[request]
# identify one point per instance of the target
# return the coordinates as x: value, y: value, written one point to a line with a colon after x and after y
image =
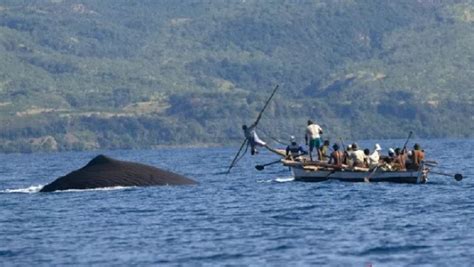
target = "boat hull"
x: 409, y: 177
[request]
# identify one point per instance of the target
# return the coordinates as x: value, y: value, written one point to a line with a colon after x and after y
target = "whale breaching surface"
x: 103, y: 171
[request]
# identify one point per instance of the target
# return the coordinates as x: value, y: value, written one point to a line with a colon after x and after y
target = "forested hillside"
x: 88, y: 74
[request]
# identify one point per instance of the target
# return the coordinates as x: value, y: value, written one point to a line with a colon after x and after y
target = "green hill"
x: 135, y: 74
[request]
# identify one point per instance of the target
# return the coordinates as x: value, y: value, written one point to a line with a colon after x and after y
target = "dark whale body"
x: 103, y: 171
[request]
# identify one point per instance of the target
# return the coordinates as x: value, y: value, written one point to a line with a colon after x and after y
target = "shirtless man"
x: 417, y: 156
x: 336, y: 157
x: 399, y: 162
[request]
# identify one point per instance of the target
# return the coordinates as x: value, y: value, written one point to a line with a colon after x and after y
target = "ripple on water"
x: 387, y: 250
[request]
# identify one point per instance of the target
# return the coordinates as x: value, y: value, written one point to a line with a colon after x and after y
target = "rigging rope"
x: 273, y: 138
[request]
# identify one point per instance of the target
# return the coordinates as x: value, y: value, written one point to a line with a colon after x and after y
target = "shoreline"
x: 220, y: 145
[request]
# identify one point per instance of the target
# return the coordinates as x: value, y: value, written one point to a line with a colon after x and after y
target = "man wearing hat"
x: 391, y: 156
x: 294, y: 150
x: 375, y: 157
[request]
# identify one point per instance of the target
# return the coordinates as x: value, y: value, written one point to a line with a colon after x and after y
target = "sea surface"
x: 247, y: 217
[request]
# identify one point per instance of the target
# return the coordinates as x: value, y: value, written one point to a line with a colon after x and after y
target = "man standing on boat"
x: 313, y: 138
x: 252, y: 138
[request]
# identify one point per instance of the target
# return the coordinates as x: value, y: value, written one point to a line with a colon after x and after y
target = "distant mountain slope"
x: 124, y: 74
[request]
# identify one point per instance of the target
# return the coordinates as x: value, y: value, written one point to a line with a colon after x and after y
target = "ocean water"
x: 248, y: 217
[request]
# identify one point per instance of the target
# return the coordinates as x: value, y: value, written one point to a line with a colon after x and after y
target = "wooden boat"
x: 319, y: 171
x: 303, y: 171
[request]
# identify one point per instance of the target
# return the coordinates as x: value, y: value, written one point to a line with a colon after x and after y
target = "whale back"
x: 103, y: 171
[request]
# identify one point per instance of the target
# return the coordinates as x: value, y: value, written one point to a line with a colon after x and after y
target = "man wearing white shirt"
x: 313, y: 138
x: 357, y: 155
x: 375, y: 157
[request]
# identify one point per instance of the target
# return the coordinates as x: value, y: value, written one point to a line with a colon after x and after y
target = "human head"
x: 326, y: 142
x: 391, y: 152
x: 354, y: 146
x: 244, y: 127
x: 335, y: 147
x: 416, y: 146
x: 310, y: 122
x: 349, y: 147
x: 397, y: 151
x: 366, y: 151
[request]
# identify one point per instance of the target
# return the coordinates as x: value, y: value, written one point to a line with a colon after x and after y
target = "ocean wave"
x: 37, y: 188
x: 111, y: 188
x: 391, y: 249
x: 278, y: 180
x: 27, y: 190
x: 264, y: 181
x: 284, y: 179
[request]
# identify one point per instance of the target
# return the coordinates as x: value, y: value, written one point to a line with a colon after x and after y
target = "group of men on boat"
x: 352, y: 156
